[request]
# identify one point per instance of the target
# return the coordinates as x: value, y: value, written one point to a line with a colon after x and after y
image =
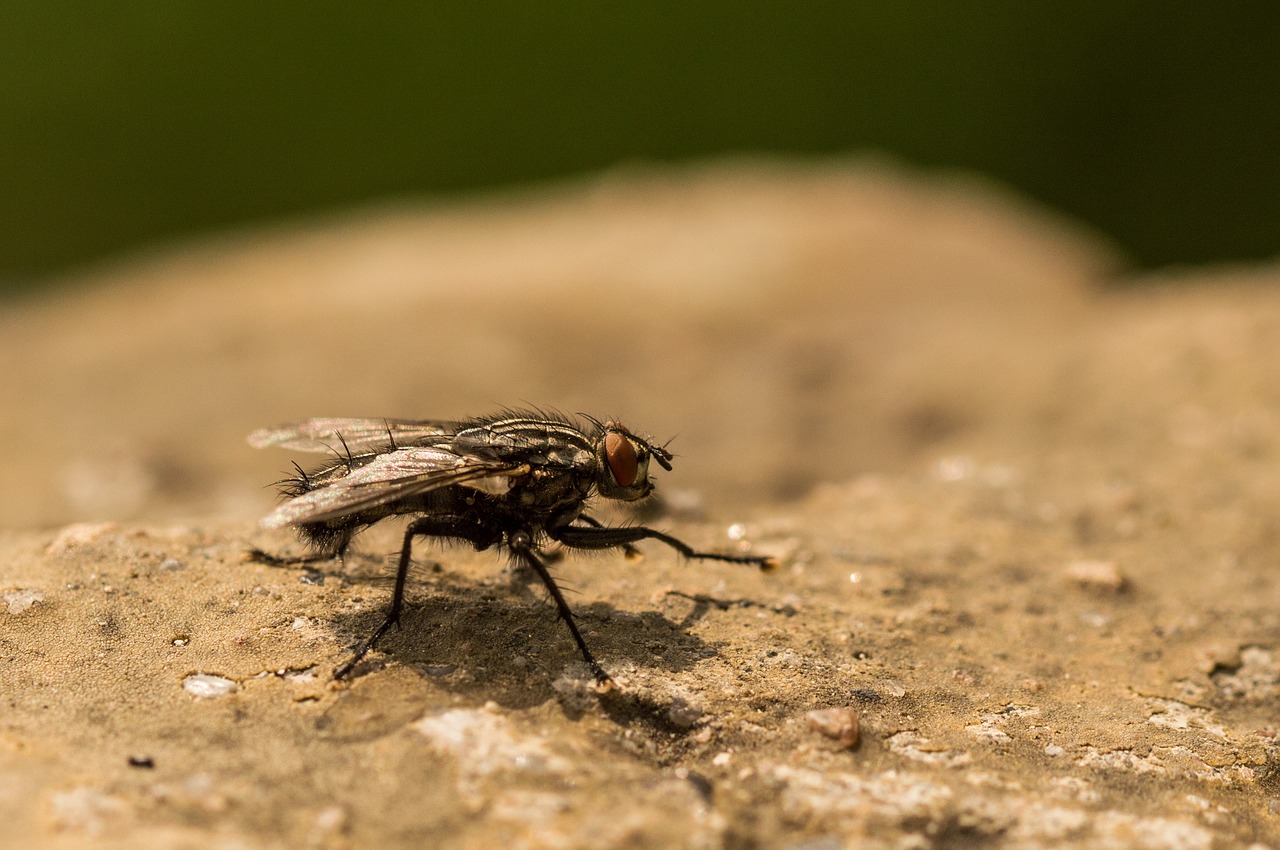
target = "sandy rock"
x: 922, y: 395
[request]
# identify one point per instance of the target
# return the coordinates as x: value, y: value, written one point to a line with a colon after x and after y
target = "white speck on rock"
x: 206, y: 686
x: 988, y: 731
x: 1255, y: 676
x: 21, y: 599
x: 1172, y: 714
x: 683, y: 714
x: 1180, y: 762
x: 1122, y: 760
x: 300, y: 677
x: 485, y: 743
x: 1014, y: 709
x: 918, y: 748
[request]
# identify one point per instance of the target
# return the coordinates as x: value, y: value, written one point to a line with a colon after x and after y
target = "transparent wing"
x: 390, y: 476
x: 330, y: 435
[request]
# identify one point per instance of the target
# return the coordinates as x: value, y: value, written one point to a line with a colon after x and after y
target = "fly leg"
x: 423, y: 527
x: 264, y: 557
x: 630, y: 552
x: 327, y: 545
x: 577, y: 537
x: 522, y: 547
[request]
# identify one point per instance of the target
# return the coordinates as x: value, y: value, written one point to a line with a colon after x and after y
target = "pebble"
x: 1097, y: 575
x: 838, y: 724
x: 683, y: 714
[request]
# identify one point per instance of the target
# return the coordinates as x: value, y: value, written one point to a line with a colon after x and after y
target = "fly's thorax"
x: 547, y: 490
x: 623, y: 460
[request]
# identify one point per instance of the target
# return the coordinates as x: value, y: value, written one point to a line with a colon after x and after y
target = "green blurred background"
x: 130, y: 123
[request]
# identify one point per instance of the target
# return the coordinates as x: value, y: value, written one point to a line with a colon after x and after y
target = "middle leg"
x: 428, y: 526
x: 522, y: 546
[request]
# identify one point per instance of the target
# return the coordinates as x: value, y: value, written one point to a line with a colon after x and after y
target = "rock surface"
x: 1027, y: 511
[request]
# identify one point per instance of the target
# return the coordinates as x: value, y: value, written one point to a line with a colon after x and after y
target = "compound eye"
x: 621, y: 454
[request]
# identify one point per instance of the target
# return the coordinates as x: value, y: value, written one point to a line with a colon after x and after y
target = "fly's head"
x: 624, y: 463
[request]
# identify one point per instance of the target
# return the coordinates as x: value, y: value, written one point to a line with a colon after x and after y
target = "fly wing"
x: 390, y: 476
x: 356, y: 435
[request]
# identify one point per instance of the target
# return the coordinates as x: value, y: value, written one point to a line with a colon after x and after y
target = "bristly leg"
x: 264, y: 557
x: 522, y: 547
x: 630, y: 552
x: 326, y: 542
x: 424, y: 527
x: 578, y: 537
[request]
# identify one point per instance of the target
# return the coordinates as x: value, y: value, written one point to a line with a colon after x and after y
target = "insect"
x: 513, y: 480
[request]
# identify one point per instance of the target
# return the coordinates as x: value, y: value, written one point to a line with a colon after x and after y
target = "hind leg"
x: 326, y: 543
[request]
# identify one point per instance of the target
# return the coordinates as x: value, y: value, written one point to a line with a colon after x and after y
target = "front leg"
x: 577, y: 537
x: 630, y: 552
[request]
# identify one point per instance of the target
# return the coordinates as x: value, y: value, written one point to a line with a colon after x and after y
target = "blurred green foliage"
x: 131, y: 122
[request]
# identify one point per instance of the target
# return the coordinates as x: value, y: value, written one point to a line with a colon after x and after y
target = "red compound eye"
x: 621, y: 455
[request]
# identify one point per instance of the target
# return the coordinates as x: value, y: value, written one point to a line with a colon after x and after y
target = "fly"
x: 517, y: 481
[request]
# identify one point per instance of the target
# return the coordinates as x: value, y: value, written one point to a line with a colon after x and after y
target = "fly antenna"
x: 662, y: 454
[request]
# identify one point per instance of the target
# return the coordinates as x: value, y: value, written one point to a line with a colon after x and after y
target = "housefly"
x: 516, y: 481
